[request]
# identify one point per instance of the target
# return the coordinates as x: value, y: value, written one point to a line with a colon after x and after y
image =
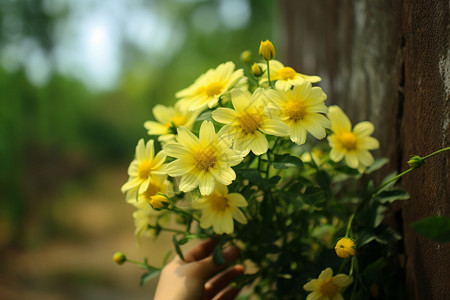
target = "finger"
x: 227, y: 294
x: 206, y: 268
x: 200, y: 251
x: 220, y: 281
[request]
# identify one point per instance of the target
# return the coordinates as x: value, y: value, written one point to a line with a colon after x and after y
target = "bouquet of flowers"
x: 254, y: 157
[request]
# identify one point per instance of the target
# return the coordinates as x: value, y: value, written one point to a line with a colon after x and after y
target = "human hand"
x: 196, y: 279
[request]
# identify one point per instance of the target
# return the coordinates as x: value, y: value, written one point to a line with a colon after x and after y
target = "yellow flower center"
x: 205, y: 158
x: 295, y: 110
x: 287, y: 73
x: 328, y: 288
x: 213, y: 89
x: 348, y: 141
x: 177, y: 121
x: 218, y: 203
x: 144, y: 169
x: 249, y: 122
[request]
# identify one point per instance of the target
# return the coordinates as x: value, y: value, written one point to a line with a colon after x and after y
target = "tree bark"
x: 389, y: 62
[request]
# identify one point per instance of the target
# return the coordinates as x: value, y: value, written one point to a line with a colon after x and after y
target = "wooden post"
x: 389, y: 62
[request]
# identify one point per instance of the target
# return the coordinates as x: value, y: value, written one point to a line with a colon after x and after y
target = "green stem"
x: 180, y: 211
x: 168, y: 229
x: 436, y: 152
x: 409, y: 170
x: 392, y: 180
x: 349, y: 226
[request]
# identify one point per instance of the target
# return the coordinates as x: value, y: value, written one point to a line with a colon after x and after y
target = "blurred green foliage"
x: 61, y: 129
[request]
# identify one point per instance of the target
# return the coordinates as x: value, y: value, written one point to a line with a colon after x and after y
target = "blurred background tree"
x: 78, y: 79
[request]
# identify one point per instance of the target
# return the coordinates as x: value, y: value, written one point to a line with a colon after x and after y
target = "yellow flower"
x: 220, y: 208
x: 202, y: 161
x: 351, y: 144
x: 327, y: 286
x: 345, y: 248
x: 256, y: 70
x: 267, y: 50
x: 143, y: 167
x: 302, y: 109
x: 248, y: 118
x: 145, y: 213
x: 285, y: 77
x: 168, y: 120
x: 209, y: 87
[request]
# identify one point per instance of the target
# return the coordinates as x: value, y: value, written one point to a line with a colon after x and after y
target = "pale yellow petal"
x: 365, y: 158
x: 225, y: 115
x: 302, y: 91
x: 133, y: 168
x: 188, y: 182
x: 207, y: 133
x: 237, y: 200
x: 240, y: 100
x: 314, y: 125
x: 310, y: 78
x: 144, y: 185
x: 336, y: 155
x: 325, y: 274
x: 259, y: 144
x: 162, y: 113
x: 311, y: 285
x: 239, y: 216
x: 206, y: 183
x: 150, y: 150
x: 342, y: 280
x: 159, y: 159
x: 177, y: 151
x: 337, y: 297
x: 351, y: 159
x: 187, y: 138
x: 363, y: 129
x: 315, y: 296
x: 226, y: 224
x: 339, y: 120
x: 297, y: 133
x: 275, y: 127
x: 282, y: 85
x: 140, y: 150
x: 223, y: 175
x: 180, y: 167
x: 369, y: 143
x: 132, y: 183
x: 155, y: 128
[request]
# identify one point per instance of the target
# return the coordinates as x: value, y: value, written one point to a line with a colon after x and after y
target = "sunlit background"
x: 78, y: 78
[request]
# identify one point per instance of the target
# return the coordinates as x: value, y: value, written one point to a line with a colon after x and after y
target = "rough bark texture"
x: 389, y: 62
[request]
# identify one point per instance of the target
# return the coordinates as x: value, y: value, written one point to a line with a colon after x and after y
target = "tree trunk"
x: 389, y: 62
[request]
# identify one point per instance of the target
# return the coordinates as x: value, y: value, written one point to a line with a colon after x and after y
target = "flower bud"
x: 256, y: 70
x: 415, y: 161
x: 158, y: 201
x: 119, y: 258
x: 267, y: 50
x: 345, y: 248
x: 246, y: 57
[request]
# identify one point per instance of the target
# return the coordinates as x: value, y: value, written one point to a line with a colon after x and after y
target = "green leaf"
x: 218, y: 258
x: 313, y: 195
x: 207, y: 115
x: 391, y: 195
x: 436, y: 228
x: 149, y: 275
x: 285, y: 161
x: 166, y: 257
x: 378, y: 164
x: 347, y: 170
x: 187, y: 238
x: 177, y: 247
